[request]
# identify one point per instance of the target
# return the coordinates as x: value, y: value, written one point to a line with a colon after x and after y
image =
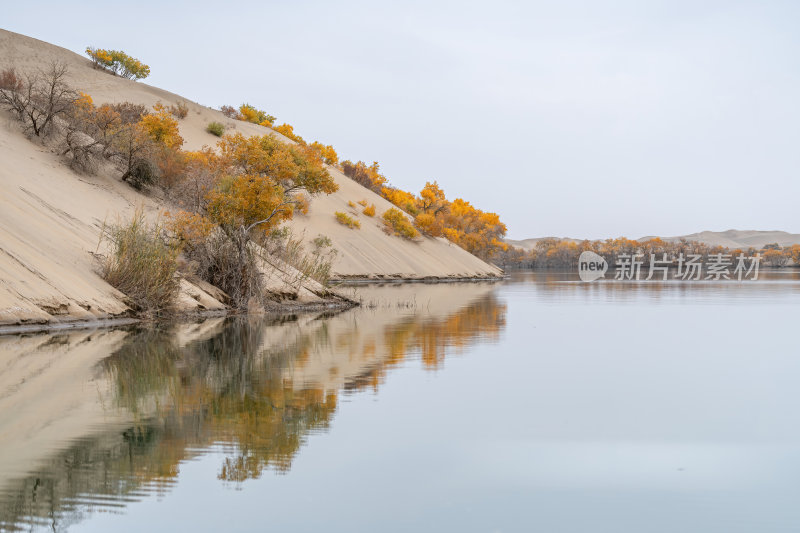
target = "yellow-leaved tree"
x: 327, y: 153
x: 264, y: 182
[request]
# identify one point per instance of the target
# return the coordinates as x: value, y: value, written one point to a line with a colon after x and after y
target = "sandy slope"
x: 50, y: 222
x: 366, y: 253
x: 370, y: 252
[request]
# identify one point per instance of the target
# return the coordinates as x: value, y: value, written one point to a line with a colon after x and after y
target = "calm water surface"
x: 536, y: 404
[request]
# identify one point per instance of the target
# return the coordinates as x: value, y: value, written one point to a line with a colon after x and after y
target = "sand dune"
x: 739, y: 239
x: 50, y: 217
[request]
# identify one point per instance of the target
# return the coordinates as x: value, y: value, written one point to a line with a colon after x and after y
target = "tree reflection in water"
x: 251, y: 389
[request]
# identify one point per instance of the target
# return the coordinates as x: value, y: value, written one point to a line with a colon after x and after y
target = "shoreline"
x: 339, y: 303
x: 113, y: 322
x: 367, y: 280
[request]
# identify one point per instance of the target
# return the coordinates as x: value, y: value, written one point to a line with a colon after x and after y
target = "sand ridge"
x: 51, y: 217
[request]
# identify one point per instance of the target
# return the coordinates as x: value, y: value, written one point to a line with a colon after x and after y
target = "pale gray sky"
x: 569, y: 118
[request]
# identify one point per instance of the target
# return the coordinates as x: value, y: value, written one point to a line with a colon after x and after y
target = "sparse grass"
x: 351, y: 204
x: 369, y: 211
x: 215, y: 128
x: 141, y: 264
x: 314, y: 261
x: 384, y: 303
x: 362, y: 203
x: 397, y: 223
x: 347, y: 220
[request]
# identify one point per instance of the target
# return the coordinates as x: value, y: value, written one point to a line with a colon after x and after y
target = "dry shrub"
x: 191, y: 192
x: 142, y: 264
x: 172, y: 166
x: 369, y: 211
x: 81, y: 150
x: 229, y: 111
x: 368, y: 176
x: 39, y: 98
x: 10, y: 80
x: 397, y: 223
x: 134, y: 153
x: 225, y: 263
x: 219, y: 259
x: 316, y: 264
x: 130, y: 113
x: 347, y: 220
x: 179, y: 110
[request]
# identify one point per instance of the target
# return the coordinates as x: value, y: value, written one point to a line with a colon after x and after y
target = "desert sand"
x: 51, y: 217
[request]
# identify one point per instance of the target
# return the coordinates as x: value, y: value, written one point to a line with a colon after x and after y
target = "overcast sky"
x: 584, y: 119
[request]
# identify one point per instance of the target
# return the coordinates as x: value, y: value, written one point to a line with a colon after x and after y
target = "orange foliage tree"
x: 264, y: 183
x: 795, y: 253
x: 162, y: 127
x: 327, y: 153
x: 368, y: 176
x: 288, y: 131
x: 478, y: 232
x: 249, y: 113
x: 257, y: 183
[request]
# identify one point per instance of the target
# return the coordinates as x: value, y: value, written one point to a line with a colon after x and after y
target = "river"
x: 539, y: 403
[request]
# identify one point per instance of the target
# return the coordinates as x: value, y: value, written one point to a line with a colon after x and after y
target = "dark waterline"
x: 540, y: 403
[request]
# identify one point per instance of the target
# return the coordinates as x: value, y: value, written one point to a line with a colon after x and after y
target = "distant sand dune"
x: 739, y: 238
x: 731, y: 239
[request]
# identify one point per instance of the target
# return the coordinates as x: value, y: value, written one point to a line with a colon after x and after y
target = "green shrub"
x: 215, y: 128
x: 397, y: 223
x: 347, y: 220
x: 141, y: 264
